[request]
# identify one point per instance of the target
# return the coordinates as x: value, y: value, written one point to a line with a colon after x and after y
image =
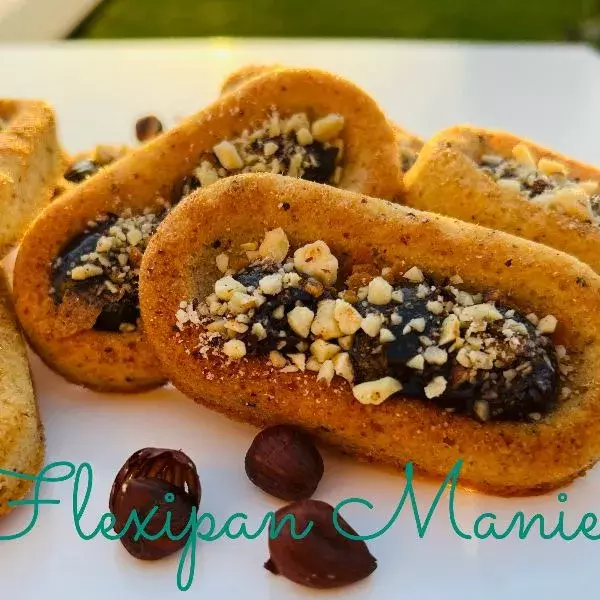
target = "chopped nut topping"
x: 300, y: 319
x: 439, y: 342
x: 436, y: 387
x: 415, y: 275
x: 317, y: 261
x: 275, y: 245
x: 347, y: 317
x: 379, y: 291
x: 376, y: 392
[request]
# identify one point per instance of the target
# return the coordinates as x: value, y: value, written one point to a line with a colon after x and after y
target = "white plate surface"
x: 550, y: 94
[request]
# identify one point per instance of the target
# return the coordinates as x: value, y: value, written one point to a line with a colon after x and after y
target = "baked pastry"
x: 331, y: 131
x: 408, y: 143
x: 317, y: 310
x: 75, y: 312
x: 76, y: 287
x: 21, y: 432
x: 31, y: 161
x: 505, y: 182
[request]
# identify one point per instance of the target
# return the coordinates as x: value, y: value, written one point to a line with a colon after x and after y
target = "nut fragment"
x: 275, y: 245
x: 284, y: 462
x: 436, y: 387
x: 380, y: 291
x: 227, y: 286
x: 300, y: 320
x: 415, y: 275
x: 376, y: 392
x: 347, y: 317
x: 324, y: 558
x: 547, y: 324
x: 325, y: 325
x: 328, y: 127
x: 323, y: 350
x: 228, y: 155
x: 235, y: 349
x: 317, y: 261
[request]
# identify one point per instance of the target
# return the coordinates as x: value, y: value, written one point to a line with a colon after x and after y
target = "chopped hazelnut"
x: 271, y: 284
x: 523, y: 155
x: 398, y: 296
x: 372, y: 323
x: 326, y: 372
x: 279, y: 312
x: 323, y: 350
x: 222, y: 262
x: 325, y: 324
x: 206, y: 174
x: 343, y: 366
x: 304, y: 137
x: 275, y: 245
x: 376, y: 392
x: 436, y: 387
x: 480, y: 312
x: 312, y: 364
x: 435, y: 307
x: 241, y: 303
x: 235, y: 349
x: 417, y: 324
x: 435, y: 355
x: 379, y: 291
x: 291, y: 280
x: 416, y: 362
x: 386, y: 336
x: 270, y: 148
x: 547, y: 324
x: 328, y: 127
x: 82, y: 272
x: 450, y: 330
x: 299, y: 360
x: 317, y: 261
x: 550, y: 166
x: 259, y: 331
x: 346, y: 342
x: 226, y: 286
x: 296, y: 122
x: 277, y: 359
x: 348, y: 318
x: 228, y: 155
x: 300, y: 320
x: 415, y: 275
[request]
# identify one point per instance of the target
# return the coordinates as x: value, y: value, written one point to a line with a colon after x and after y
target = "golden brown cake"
x: 21, y: 432
x: 217, y: 264
x: 505, y: 182
x: 408, y: 143
x: 31, y: 162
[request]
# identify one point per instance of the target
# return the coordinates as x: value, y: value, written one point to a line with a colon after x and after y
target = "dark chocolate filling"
x: 323, y: 161
x: 533, y: 391
x: 530, y: 394
x: 116, y: 309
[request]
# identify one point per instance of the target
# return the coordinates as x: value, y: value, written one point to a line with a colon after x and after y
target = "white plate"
x: 99, y: 90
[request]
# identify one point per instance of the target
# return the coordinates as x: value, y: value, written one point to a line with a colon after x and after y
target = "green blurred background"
x: 493, y: 20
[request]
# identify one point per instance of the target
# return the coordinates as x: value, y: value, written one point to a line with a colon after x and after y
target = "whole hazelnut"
x: 146, y: 478
x: 147, y: 128
x: 142, y: 495
x: 284, y: 462
x: 324, y: 558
